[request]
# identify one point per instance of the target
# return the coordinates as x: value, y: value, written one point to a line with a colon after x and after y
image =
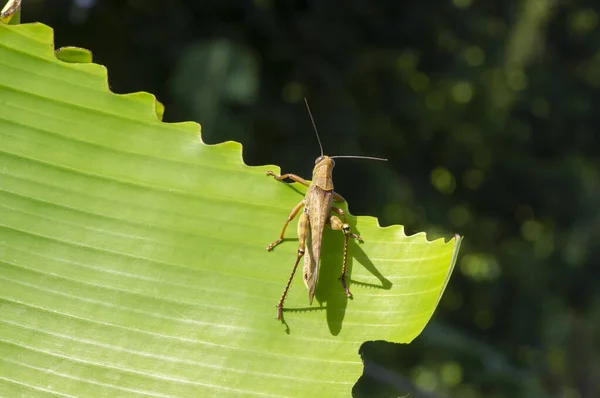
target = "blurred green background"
x: 488, y: 113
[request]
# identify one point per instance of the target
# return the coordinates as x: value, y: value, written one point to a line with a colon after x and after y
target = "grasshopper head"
x: 322, y: 173
x: 323, y: 166
x: 324, y: 160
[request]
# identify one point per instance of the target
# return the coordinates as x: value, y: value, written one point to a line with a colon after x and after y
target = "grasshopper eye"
x: 332, y: 162
x: 319, y: 159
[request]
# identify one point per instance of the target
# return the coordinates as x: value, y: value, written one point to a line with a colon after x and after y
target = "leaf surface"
x: 133, y: 261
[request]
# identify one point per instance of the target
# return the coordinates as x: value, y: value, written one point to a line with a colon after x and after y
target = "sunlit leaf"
x: 133, y: 261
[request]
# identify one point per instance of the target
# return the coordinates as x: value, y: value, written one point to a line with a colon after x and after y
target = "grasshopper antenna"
x: 358, y: 157
x: 314, y: 125
x: 312, y: 120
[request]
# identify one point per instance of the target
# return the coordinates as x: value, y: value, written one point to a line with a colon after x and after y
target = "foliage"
x: 133, y: 254
x: 487, y: 111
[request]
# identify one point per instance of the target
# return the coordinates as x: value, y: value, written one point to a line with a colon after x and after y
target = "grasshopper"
x: 318, y: 209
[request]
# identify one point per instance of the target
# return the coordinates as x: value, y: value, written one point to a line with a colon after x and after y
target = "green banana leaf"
x: 133, y: 261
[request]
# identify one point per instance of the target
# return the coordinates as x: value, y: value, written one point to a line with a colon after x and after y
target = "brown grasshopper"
x: 318, y: 209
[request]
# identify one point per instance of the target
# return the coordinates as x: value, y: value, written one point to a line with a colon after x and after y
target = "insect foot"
x: 342, y: 279
x: 272, y: 245
x: 275, y: 176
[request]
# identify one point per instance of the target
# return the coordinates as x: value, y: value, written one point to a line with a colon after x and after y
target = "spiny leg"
x: 347, y: 229
x: 295, y: 211
x: 287, y: 286
x: 292, y: 177
x: 338, y: 225
x: 303, y: 225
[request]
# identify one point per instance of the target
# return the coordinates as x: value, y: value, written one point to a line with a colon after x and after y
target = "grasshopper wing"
x: 318, y: 207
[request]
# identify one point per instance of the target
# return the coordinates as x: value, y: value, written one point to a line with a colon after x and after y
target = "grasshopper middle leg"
x: 293, y: 213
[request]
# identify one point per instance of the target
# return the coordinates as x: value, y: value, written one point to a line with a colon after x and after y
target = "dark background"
x: 488, y: 113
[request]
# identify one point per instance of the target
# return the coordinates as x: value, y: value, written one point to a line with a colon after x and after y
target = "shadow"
x: 386, y: 284
x: 286, y: 240
x: 382, y: 373
x: 287, y: 327
x: 304, y: 309
x: 329, y: 288
x: 329, y: 292
x: 293, y: 187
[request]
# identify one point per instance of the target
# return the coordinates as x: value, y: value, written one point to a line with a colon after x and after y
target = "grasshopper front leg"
x: 292, y: 177
x: 338, y: 225
x: 303, y: 227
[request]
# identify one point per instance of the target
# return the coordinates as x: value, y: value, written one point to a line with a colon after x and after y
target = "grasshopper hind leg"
x: 338, y: 225
x: 303, y: 225
x: 287, y: 286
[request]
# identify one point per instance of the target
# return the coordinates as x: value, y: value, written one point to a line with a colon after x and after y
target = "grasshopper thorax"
x: 322, y: 173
